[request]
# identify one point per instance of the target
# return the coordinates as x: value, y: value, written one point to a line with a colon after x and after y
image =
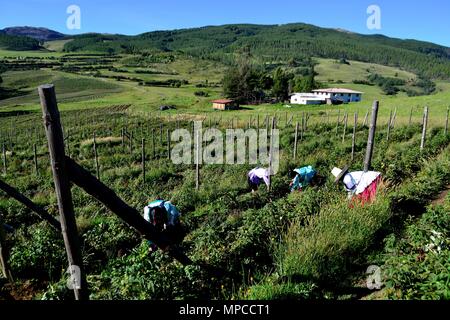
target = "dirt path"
x: 442, y: 196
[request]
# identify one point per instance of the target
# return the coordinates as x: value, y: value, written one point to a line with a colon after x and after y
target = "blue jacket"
x: 303, y: 177
x: 173, y: 215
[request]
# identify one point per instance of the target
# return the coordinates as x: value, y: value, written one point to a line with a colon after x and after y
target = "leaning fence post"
x: 371, y: 139
x: 424, y: 129
x: 365, y: 118
x: 4, y: 160
x: 54, y: 134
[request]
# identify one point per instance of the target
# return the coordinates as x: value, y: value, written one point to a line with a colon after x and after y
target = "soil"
x: 26, y: 290
x: 441, y: 197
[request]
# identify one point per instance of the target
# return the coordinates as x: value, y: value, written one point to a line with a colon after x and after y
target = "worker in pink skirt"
x: 360, y: 185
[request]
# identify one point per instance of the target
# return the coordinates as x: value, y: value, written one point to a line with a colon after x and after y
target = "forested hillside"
x: 10, y: 42
x: 272, y: 42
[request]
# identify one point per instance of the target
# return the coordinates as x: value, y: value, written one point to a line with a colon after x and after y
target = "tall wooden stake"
x: 36, y: 168
x: 424, y: 129
x: 410, y: 116
x: 295, y: 141
x: 271, y: 155
x: 389, y: 126
x: 54, y: 134
x: 345, y: 127
x: 371, y: 139
x: 365, y: 118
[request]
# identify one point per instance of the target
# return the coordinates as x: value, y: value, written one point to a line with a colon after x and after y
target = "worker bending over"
x: 304, y: 177
x: 257, y: 176
x: 359, y: 184
x: 165, y: 217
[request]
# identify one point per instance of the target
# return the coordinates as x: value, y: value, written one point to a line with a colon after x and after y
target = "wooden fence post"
x: 389, y: 126
x: 295, y: 140
x: 338, y: 120
x: 365, y: 118
x: 54, y: 134
x: 410, y: 116
x: 371, y: 139
x: 131, y: 143
x: 97, y: 168
x: 4, y: 160
x: 424, y: 129
x: 394, y: 117
x: 345, y: 127
x: 269, y: 187
x: 122, y: 132
x: 36, y: 168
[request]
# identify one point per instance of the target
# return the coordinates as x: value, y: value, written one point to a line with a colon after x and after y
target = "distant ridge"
x: 40, y: 34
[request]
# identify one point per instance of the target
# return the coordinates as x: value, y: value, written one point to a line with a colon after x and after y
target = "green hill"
x: 270, y: 43
x: 18, y: 43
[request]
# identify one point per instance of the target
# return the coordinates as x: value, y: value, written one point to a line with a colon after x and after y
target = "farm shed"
x: 225, y: 104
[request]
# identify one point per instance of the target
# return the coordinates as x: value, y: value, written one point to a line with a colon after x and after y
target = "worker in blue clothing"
x: 165, y: 217
x: 304, y: 177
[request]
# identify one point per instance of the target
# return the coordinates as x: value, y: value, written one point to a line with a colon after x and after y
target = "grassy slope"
x: 104, y: 92
x: 56, y: 45
x: 330, y: 69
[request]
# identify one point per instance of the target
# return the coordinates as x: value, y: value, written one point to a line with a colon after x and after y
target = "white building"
x: 338, y: 94
x: 307, y: 99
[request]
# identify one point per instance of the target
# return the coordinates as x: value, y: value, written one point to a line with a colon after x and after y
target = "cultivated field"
x: 266, y: 245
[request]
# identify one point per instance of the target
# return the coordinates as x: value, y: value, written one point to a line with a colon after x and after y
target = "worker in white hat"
x: 362, y: 184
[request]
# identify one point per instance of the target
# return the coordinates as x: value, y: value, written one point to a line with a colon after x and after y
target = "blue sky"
x: 414, y: 19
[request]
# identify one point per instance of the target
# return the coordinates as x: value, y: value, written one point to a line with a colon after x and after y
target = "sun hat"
x: 339, y: 174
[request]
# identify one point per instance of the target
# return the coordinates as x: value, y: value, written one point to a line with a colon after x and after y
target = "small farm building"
x: 225, y: 104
